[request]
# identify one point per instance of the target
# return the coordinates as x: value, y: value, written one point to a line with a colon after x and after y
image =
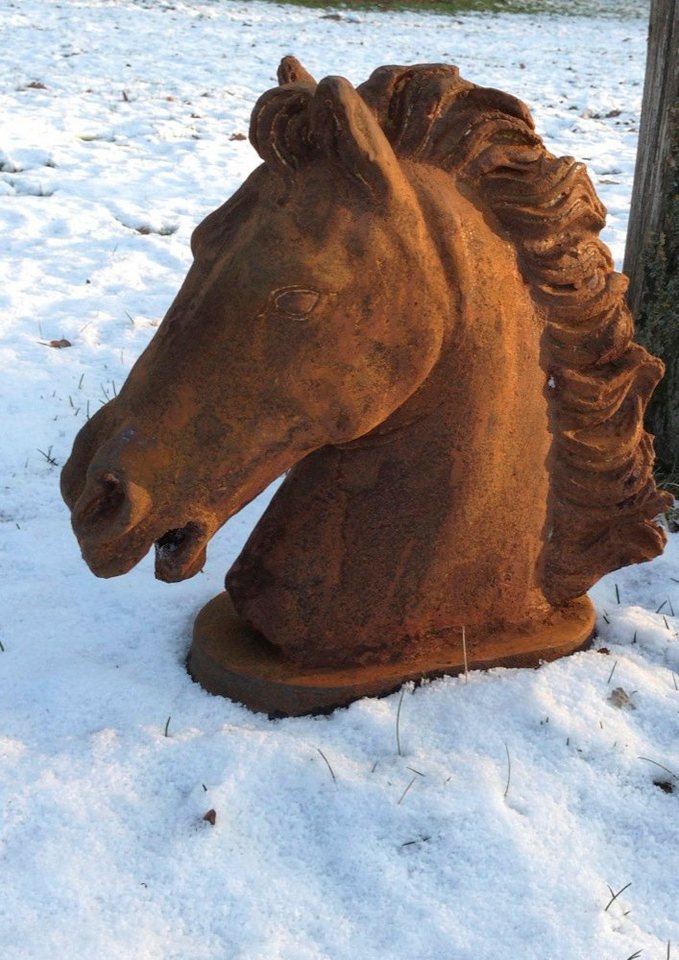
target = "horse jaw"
x: 181, y: 553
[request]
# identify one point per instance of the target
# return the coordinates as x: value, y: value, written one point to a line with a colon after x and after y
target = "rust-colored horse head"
x: 293, y: 329
x: 408, y: 308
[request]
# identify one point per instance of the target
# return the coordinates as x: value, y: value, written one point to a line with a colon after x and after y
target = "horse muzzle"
x: 115, y: 492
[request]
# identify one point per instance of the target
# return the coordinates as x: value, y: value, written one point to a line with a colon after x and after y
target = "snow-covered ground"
x: 532, y: 795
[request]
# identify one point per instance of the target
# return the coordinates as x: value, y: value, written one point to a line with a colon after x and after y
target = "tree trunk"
x: 652, y: 253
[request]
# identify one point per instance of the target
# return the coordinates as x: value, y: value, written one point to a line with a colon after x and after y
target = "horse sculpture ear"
x: 344, y: 128
x: 290, y: 70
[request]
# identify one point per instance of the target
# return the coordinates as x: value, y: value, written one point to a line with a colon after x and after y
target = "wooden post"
x: 652, y: 253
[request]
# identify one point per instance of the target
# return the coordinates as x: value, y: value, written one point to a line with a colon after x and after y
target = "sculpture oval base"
x: 230, y: 659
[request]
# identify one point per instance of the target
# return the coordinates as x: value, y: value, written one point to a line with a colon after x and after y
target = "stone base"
x: 230, y: 659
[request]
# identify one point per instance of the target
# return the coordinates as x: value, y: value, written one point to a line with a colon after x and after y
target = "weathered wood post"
x: 652, y: 253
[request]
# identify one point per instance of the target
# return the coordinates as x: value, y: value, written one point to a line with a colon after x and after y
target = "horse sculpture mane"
x: 603, y: 495
x: 408, y: 311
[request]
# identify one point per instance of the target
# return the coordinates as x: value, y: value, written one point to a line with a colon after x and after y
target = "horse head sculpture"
x: 406, y: 308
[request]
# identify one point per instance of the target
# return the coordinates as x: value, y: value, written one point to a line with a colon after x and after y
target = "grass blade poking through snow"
x: 327, y: 763
x: 509, y: 770
x: 666, y: 769
x: 398, y: 723
x: 615, y: 896
x: 401, y: 798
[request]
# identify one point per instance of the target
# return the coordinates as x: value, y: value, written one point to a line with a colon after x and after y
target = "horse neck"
x: 480, y: 422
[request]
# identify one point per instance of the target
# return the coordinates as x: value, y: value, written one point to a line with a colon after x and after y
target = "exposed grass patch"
x: 620, y: 9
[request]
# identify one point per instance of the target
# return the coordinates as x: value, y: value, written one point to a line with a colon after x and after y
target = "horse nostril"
x: 110, y: 482
x: 113, y: 493
x: 103, y: 505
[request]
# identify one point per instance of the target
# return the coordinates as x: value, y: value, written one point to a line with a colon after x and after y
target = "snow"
x: 518, y: 798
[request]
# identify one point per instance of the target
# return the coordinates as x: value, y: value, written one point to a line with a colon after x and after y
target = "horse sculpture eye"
x: 298, y: 302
